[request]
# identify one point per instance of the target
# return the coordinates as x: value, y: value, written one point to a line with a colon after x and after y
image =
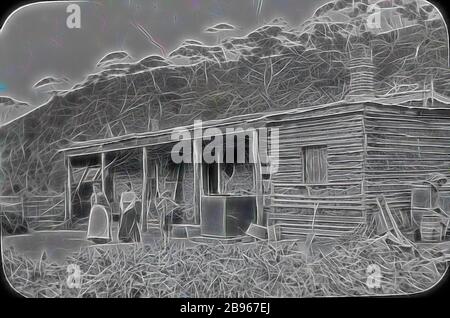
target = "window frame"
x: 304, y: 164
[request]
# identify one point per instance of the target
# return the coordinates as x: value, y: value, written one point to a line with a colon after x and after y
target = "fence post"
x: 23, y: 208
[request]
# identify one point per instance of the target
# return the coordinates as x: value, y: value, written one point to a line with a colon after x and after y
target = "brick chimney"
x: 362, y: 72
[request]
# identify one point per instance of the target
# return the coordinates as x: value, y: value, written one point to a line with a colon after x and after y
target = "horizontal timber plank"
x: 317, y: 218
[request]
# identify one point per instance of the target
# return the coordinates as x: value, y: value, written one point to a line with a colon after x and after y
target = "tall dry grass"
x: 259, y: 269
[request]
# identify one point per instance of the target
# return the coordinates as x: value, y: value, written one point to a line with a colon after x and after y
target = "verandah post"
x: 198, y: 178
x: 258, y: 182
x: 144, y: 189
x: 68, y: 192
x: 104, y: 172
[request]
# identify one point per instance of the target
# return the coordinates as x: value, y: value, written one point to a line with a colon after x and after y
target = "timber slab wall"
x: 404, y: 145
x: 372, y: 150
x: 330, y: 208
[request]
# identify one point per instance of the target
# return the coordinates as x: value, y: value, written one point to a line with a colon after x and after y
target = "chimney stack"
x: 362, y: 72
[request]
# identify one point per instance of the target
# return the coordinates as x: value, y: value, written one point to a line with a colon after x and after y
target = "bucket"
x: 431, y: 229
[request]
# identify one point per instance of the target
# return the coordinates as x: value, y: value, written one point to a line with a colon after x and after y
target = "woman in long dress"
x: 129, y: 230
x: 99, y: 228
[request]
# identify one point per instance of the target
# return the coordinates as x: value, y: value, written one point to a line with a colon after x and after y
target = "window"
x: 315, y: 165
x: 233, y: 173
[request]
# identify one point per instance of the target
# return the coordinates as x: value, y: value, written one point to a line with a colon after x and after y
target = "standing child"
x: 99, y: 228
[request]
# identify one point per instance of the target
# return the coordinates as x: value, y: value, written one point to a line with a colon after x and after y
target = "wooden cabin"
x: 319, y: 172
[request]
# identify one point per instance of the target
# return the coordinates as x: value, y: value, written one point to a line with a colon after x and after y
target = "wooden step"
x: 292, y: 226
x: 321, y: 207
x: 317, y: 218
x: 299, y: 232
x: 324, y: 226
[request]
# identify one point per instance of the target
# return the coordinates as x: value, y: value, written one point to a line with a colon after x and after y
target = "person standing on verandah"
x: 99, y: 228
x: 129, y: 230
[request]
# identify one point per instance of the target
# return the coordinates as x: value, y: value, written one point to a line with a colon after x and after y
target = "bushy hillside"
x: 276, y: 66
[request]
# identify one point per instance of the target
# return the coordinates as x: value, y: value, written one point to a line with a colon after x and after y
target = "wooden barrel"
x: 431, y: 229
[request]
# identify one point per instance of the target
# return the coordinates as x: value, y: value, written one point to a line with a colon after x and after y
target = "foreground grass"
x: 240, y: 270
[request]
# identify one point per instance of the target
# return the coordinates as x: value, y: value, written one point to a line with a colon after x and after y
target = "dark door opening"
x: 81, y: 200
